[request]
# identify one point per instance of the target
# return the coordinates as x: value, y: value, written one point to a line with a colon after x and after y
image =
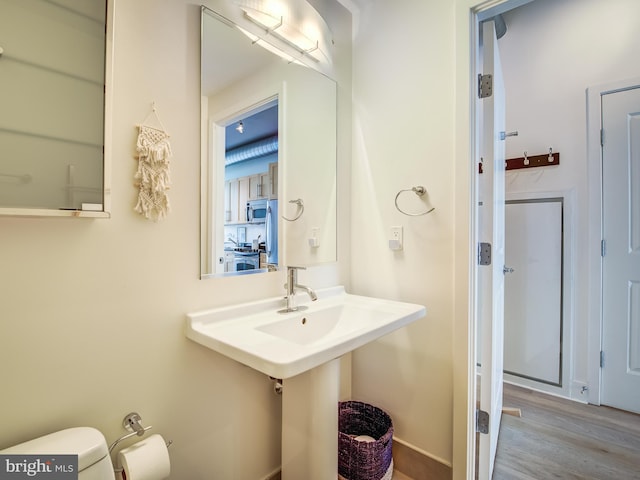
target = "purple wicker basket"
x: 358, y: 460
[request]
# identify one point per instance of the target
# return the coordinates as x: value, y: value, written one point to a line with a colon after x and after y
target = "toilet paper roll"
x: 145, y: 460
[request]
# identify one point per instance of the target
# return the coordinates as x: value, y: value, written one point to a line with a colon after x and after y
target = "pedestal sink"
x: 302, y: 348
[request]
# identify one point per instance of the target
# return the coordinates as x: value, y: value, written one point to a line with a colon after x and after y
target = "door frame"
x: 595, y: 225
x: 468, y: 15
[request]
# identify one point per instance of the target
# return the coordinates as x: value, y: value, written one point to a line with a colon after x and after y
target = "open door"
x: 491, y: 239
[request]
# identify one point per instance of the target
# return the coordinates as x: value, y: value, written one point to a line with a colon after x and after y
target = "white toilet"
x: 94, y: 462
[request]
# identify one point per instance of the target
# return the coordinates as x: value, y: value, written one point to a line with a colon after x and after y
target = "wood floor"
x: 561, y: 439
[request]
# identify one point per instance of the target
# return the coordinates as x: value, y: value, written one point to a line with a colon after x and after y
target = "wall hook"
x: 154, y: 114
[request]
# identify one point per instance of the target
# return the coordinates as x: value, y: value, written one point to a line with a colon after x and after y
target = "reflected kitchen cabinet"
x: 259, y: 186
x: 238, y: 191
x: 243, y: 197
x: 236, y: 195
x: 273, y: 180
x: 264, y: 185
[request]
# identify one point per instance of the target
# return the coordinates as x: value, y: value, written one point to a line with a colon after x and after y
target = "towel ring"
x: 419, y: 191
x: 300, y: 205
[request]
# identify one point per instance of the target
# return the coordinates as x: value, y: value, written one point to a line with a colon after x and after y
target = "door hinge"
x: 484, y: 253
x: 602, y: 137
x: 485, y: 85
x: 482, y: 421
x: 603, y: 248
x: 601, y: 359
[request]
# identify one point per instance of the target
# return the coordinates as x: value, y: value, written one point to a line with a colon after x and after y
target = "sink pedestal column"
x: 310, y: 424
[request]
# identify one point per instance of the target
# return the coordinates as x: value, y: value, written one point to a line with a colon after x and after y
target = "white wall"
x: 552, y: 52
x: 92, y: 311
x: 404, y: 137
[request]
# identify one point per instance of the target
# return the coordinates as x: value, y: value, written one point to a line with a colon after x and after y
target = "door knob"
x: 506, y: 270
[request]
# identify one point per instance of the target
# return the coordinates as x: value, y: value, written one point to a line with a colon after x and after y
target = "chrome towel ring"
x: 419, y: 191
x: 300, y: 205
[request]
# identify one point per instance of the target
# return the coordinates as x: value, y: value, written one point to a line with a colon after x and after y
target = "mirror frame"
x: 107, y: 142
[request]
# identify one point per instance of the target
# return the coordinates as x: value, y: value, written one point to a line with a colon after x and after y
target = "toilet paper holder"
x: 133, y: 423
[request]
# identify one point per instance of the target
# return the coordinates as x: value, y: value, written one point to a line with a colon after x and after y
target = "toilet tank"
x: 94, y: 462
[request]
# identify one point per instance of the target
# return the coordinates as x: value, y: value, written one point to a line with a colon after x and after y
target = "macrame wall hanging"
x: 152, y: 177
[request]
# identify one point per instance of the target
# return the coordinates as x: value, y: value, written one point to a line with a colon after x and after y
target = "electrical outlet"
x: 395, y: 238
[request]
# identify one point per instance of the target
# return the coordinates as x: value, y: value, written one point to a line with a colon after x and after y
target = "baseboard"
x: 411, y: 461
x: 418, y: 465
x: 275, y: 475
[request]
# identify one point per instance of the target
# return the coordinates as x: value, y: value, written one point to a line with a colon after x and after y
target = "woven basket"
x: 358, y: 460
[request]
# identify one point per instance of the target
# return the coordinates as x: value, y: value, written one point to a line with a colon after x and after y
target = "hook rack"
x: 527, y: 161
x: 419, y: 191
x: 300, y: 203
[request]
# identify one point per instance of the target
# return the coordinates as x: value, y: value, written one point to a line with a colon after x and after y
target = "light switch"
x: 314, y: 241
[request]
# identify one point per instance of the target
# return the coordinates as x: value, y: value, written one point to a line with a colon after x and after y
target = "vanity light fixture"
x: 296, y: 25
x: 294, y: 44
x: 255, y: 40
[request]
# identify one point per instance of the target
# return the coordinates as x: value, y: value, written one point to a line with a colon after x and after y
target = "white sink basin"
x: 285, y: 345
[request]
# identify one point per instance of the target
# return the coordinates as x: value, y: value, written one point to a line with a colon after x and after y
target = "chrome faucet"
x: 291, y: 286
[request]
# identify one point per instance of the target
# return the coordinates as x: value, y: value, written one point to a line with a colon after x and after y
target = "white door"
x: 621, y: 262
x: 491, y: 230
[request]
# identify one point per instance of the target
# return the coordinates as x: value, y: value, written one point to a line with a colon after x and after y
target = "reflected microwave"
x: 257, y: 211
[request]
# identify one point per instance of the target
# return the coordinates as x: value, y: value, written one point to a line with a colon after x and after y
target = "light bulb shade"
x: 295, y: 22
x: 268, y: 12
x: 267, y: 46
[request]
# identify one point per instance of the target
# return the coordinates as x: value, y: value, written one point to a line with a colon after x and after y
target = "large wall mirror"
x: 53, y: 57
x: 268, y: 151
